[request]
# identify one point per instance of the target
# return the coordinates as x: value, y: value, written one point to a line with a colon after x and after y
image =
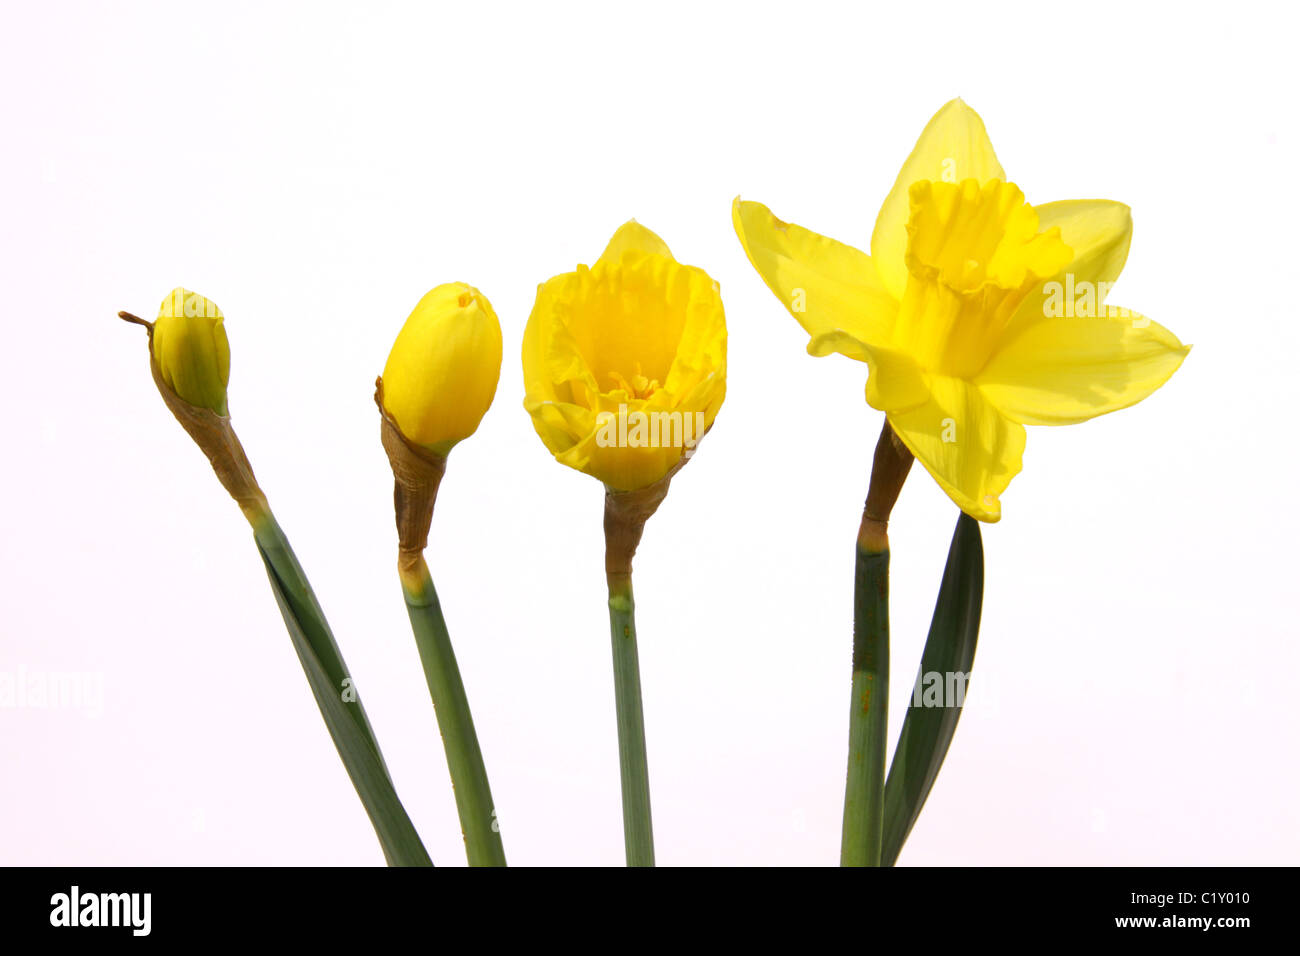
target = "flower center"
x: 973, y: 254
x: 638, y: 386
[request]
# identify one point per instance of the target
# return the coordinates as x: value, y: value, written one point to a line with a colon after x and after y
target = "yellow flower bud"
x: 190, y: 348
x: 625, y: 363
x: 442, y: 373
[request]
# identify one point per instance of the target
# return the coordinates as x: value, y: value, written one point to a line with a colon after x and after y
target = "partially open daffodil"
x: 976, y: 313
x: 625, y: 362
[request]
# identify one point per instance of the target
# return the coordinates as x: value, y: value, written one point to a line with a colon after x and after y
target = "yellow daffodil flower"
x: 191, y: 350
x: 625, y: 362
x: 976, y: 313
x: 441, y: 374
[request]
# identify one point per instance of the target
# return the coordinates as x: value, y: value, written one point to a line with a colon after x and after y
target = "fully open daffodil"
x: 976, y: 313
x: 625, y: 362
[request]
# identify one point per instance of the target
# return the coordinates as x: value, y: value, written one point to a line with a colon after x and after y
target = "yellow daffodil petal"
x: 894, y: 382
x: 838, y: 341
x: 831, y: 289
x: 972, y: 449
x: 632, y: 236
x: 1098, y: 231
x: 1058, y: 371
x: 560, y: 425
x: 954, y: 146
x: 620, y: 468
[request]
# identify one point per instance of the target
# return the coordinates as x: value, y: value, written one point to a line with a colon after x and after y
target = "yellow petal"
x: 972, y: 450
x: 830, y: 288
x: 954, y: 146
x: 560, y: 425
x: 1099, y: 233
x: 895, y: 383
x: 1057, y: 371
x: 634, y: 237
x: 620, y: 468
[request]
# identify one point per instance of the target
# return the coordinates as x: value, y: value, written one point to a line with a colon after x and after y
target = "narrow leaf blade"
x: 949, y: 650
x: 347, y: 724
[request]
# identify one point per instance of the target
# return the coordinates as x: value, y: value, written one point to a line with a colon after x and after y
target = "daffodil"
x: 625, y: 367
x: 438, y: 383
x: 976, y: 312
x: 190, y: 348
x: 442, y: 372
x: 625, y: 361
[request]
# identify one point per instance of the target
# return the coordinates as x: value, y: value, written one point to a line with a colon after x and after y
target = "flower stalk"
x: 863, y: 827
x: 626, y: 513
x: 417, y: 475
x: 474, y: 804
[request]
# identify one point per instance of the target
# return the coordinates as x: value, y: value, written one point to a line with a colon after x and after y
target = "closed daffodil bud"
x: 191, y: 351
x: 439, y: 382
x: 625, y: 363
x: 189, y: 358
x: 442, y: 373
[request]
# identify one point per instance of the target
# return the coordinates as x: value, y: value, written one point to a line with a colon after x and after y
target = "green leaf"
x: 949, y: 650
x: 330, y: 683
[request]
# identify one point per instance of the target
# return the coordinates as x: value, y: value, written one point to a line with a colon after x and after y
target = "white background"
x: 315, y: 169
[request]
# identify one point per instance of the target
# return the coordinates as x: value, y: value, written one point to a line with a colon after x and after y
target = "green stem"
x: 464, y: 757
x: 864, y: 791
x: 638, y: 836
x: 335, y: 693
